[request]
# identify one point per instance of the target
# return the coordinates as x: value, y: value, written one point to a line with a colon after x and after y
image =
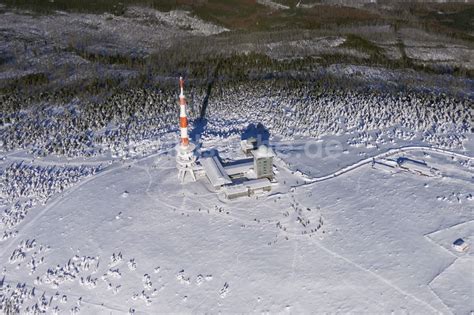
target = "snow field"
x: 167, y: 247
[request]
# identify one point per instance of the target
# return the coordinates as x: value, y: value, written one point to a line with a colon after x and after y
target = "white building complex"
x: 241, y: 178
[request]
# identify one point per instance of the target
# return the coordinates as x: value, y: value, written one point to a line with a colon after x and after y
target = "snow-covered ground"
x: 131, y: 238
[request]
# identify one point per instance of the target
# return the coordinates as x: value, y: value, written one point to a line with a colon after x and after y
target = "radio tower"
x: 185, y: 157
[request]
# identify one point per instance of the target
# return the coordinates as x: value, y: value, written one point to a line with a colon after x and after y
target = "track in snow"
x: 383, y: 155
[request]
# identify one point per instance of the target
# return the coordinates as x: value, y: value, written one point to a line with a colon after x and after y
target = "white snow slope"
x: 132, y: 239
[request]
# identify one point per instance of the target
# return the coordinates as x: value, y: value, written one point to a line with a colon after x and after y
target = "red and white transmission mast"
x: 185, y: 157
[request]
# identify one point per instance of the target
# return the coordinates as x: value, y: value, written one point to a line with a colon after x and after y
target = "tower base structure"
x: 186, y: 161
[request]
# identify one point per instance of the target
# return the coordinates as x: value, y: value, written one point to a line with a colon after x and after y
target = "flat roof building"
x: 239, y: 169
x: 248, y: 188
x: 417, y: 167
x: 215, y: 171
x: 263, y: 162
